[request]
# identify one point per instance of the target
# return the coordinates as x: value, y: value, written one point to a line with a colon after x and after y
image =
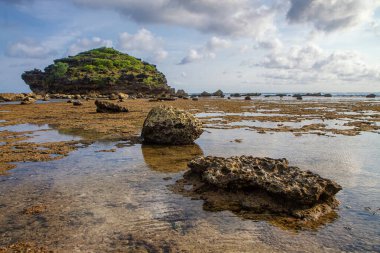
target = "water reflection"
x: 169, y: 158
x: 256, y: 205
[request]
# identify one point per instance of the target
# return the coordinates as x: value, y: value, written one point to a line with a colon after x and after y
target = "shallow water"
x: 107, y: 201
x: 41, y: 133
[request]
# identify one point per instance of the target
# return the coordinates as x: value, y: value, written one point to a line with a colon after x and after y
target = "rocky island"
x: 98, y: 71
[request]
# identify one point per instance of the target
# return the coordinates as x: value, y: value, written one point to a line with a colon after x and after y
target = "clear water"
x: 108, y: 201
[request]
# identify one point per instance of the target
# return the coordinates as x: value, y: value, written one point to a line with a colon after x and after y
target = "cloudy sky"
x: 234, y: 45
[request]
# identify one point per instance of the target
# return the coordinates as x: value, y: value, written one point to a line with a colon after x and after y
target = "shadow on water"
x: 169, y: 158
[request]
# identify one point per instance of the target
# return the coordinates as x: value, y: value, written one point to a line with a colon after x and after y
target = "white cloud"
x: 223, y: 17
x: 143, y: 41
x: 332, y: 15
x: 269, y: 43
x: 29, y: 49
x: 311, y: 63
x: 206, y: 51
x: 87, y: 44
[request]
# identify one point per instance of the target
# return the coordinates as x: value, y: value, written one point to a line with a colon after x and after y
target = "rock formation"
x: 271, y: 175
x: 218, y: 93
x: 99, y: 71
x: 167, y: 125
x: 205, y: 94
x: 371, y: 95
x: 257, y: 187
x: 108, y: 107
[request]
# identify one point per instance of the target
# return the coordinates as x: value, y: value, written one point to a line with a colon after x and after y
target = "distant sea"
x: 334, y: 94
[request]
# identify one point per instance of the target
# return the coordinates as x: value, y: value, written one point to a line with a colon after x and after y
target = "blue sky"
x: 234, y: 45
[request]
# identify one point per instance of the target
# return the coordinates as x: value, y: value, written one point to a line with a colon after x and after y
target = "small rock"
x: 28, y: 101
x: 77, y: 103
x: 247, y: 98
x: 108, y: 107
x: 205, y: 94
x: 371, y: 96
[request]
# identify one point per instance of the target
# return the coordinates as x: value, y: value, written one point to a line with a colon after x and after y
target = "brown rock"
x: 167, y: 125
x: 272, y: 175
x: 108, y: 107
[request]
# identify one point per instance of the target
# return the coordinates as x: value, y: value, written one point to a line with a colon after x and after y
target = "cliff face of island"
x: 102, y: 71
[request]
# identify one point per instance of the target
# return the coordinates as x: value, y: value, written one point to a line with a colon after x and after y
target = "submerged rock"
x: 167, y: 125
x: 108, y: 107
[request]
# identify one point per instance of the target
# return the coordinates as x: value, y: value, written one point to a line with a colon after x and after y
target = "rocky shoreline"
x: 83, y: 121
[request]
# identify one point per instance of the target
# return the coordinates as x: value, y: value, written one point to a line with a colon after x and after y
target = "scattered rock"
x: 205, y: 94
x: 181, y: 93
x: 122, y: 96
x: 113, y: 97
x: 167, y: 125
x: 108, y: 107
x: 77, y: 103
x: 8, y: 97
x: 195, y: 99
x: 106, y: 151
x: 253, y: 94
x: 247, y: 98
x: 69, y: 101
x: 218, y: 93
x: 370, y: 96
x: 28, y: 101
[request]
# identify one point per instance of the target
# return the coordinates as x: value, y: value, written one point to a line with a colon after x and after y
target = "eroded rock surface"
x: 261, y: 189
x: 167, y: 125
x: 271, y: 175
x: 108, y: 107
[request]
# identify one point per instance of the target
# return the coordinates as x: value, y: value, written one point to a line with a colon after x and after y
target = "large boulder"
x: 261, y: 189
x: 167, y: 125
x: 108, y: 107
x: 271, y: 175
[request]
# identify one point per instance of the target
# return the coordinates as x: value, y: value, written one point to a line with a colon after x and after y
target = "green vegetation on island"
x: 102, y: 70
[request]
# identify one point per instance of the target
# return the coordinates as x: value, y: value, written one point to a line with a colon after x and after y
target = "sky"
x: 233, y: 45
